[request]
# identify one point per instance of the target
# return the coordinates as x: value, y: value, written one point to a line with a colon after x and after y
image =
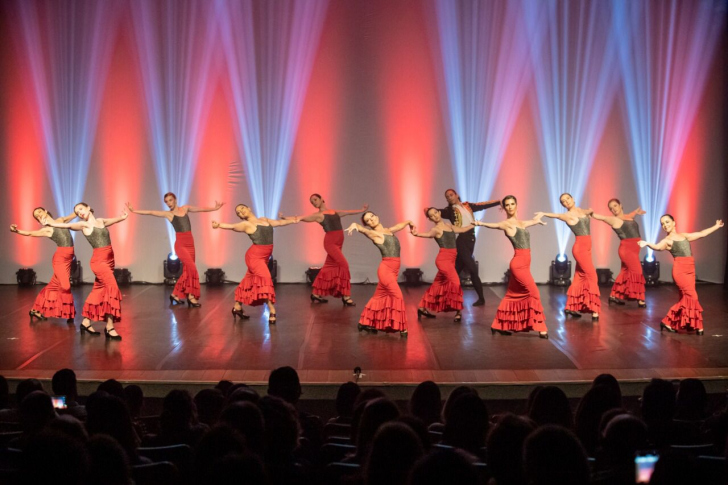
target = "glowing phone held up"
x: 59, y: 402
x: 644, y: 465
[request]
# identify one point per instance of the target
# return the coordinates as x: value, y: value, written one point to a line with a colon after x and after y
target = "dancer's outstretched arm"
x: 44, y: 232
x: 536, y: 221
x: 561, y: 217
x: 284, y: 222
x: 364, y: 208
x: 491, y: 225
x: 165, y: 214
x: 243, y: 226
x: 315, y: 217
x: 373, y: 235
x: 462, y: 229
x: 400, y: 226
x: 110, y: 221
x: 192, y: 208
x: 68, y: 218
x: 74, y: 226
x: 611, y: 220
x: 692, y: 236
x: 433, y: 232
x: 660, y: 246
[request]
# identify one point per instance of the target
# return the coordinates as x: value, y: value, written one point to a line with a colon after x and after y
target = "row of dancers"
x: 519, y: 311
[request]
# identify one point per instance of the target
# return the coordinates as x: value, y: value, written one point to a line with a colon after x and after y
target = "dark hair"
x: 453, y: 190
x: 614, y: 200
x: 427, y: 211
x: 668, y: 215
x: 503, y: 201
x: 565, y: 193
x: 41, y: 208
x: 83, y: 204
x: 283, y: 382
x: 240, y: 205
x: 64, y: 383
x: 169, y: 193
x: 364, y: 215
x: 317, y: 195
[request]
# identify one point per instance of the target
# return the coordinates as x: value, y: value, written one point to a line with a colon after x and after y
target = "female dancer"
x: 256, y: 287
x: 686, y: 313
x: 385, y: 310
x: 583, y: 294
x: 104, y: 301
x: 630, y: 283
x: 334, y: 278
x: 55, y: 300
x: 445, y: 294
x: 188, y: 284
x: 521, y: 309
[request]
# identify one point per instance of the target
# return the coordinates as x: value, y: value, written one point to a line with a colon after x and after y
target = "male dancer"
x: 461, y: 214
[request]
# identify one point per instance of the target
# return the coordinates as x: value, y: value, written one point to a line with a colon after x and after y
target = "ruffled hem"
x: 335, y: 282
x: 386, y: 314
x: 55, y: 304
x: 443, y: 298
x: 255, y: 290
x: 685, y: 314
x: 520, y: 315
x: 629, y: 286
x: 187, y: 285
x: 581, y: 300
x: 110, y: 304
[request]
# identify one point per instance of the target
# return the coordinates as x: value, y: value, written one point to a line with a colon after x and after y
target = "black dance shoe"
x: 458, y: 317
x: 665, y: 327
x: 616, y: 300
x: 34, y: 314
x: 272, y: 319
x: 403, y: 334
x: 175, y: 301
x: 315, y: 298
x: 347, y: 301
x: 108, y: 335
x: 572, y: 313
x: 424, y: 313
x: 700, y: 332
x: 88, y: 329
x: 493, y: 331
x: 196, y: 304
x: 479, y: 302
x: 543, y: 335
x: 240, y: 313
x: 642, y: 305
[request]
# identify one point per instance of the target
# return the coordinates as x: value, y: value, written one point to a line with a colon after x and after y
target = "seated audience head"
x: 419, y: 428
x: 392, y: 454
x: 64, y: 384
x: 112, y: 387
x: 209, y: 403
x: 376, y: 413
x: 505, y: 448
x: 281, y: 428
x: 531, y: 397
x: 676, y: 468
x: 109, y: 415
x: 552, y: 454
x: 454, y: 395
x: 246, y: 419
x: 551, y: 406
x: 219, y: 442
x: 426, y: 403
x: 243, y: 393
x: 109, y: 463
x: 35, y: 412
x: 691, y: 401
x: 345, y: 398
x: 223, y: 386
x: 359, y: 404
x: 178, y: 412
x: 448, y: 465
x: 658, y: 402
x: 467, y: 425
x: 610, y: 381
x: 53, y: 457
x: 134, y: 398
x: 25, y: 387
x: 624, y: 435
x: 597, y: 400
x: 283, y: 383
x: 238, y: 469
x: 70, y: 426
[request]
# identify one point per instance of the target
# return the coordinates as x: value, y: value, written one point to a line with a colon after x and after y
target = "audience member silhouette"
x: 552, y: 454
x: 504, y: 449
x: 551, y: 406
x: 177, y: 422
x: 658, y: 408
x: 447, y: 465
x: 209, y: 403
x: 426, y: 403
x: 392, y: 454
x: 23, y: 388
x: 246, y: 419
x: 345, y: 399
x: 64, y: 384
x: 467, y: 425
x: 597, y: 400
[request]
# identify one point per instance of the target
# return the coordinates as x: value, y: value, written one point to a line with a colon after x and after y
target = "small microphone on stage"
x: 357, y: 374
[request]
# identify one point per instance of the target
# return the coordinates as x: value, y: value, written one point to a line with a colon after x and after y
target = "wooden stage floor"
x: 203, y: 345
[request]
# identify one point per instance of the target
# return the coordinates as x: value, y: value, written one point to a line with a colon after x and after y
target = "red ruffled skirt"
x: 385, y: 310
x: 334, y: 278
x: 56, y: 300
x: 445, y: 294
x: 257, y: 285
x: 521, y: 309
x: 687, y: 313
x: 630, y: 282
x: 583, y: 294
x: 189, y: 282
x: 105, y: 297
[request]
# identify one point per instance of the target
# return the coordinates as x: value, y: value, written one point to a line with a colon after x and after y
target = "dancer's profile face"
x: 434, y: 215
x: 82, y: 211
x: 371, y: 220
x: 510, y: 207
x: 315, y: 201
x: 667, y: 224
x: 171, y: 201
x: 567, y: 201
x: 40, y: 214
x: 616, y: 208
x: 452, y: 197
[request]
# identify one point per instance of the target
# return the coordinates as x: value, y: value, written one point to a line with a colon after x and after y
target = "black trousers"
x: 465, y: 244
